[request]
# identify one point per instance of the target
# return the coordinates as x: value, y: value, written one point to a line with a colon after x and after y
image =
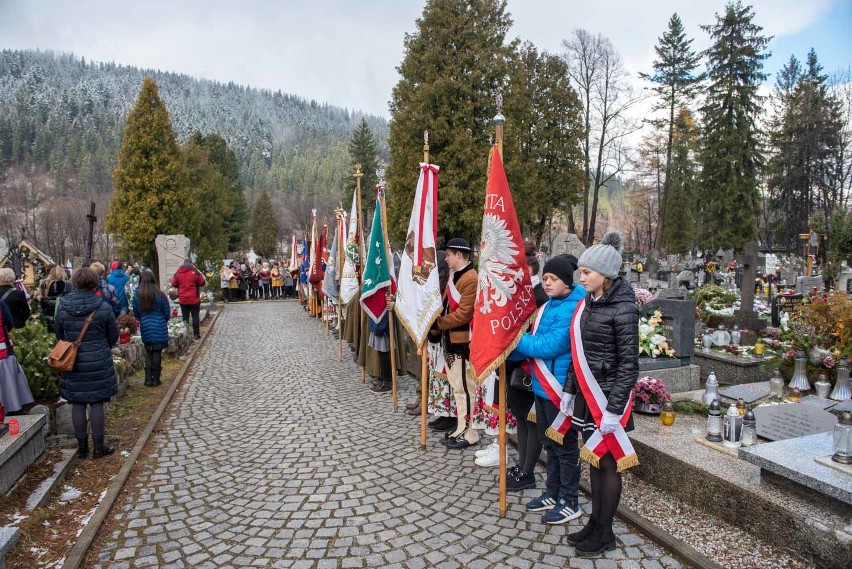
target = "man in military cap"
x: 454, y: 324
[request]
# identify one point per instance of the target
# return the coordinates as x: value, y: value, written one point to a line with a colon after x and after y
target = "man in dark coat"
x: 92, y: 380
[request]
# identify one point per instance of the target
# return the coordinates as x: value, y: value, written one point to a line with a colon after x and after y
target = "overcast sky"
x: 345, y: 52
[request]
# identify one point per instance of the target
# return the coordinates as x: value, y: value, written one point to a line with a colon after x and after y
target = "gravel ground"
x: 720, y: 541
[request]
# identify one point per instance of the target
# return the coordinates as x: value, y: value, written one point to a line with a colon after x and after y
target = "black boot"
x: 579, y: 537
x: 601, y: 539
x: 83, y: 447
x: 102, y: 449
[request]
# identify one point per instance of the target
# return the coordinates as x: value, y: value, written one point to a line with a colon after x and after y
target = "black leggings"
x: 80, y: 422
x: 606, y: 493
x: 187, y: 310
x: 153, y: 364
x: 529, y: 443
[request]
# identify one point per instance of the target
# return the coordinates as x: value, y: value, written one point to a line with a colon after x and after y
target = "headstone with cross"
x: 746, y: 316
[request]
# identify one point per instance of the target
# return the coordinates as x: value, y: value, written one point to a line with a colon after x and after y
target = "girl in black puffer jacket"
x: 609, y: 330
x: 92, y: 381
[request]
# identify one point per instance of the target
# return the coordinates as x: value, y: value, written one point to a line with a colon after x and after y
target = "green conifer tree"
x: 731, y: 157
x: 675, y: 84
x: 151, y: 194
x: 679, y: 235
x: 264, y: 227
x: 455, y: 63
x: 362, y: 150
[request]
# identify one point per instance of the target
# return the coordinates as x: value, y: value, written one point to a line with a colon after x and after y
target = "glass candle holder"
x: 749, y: 429
x: 714, y: 422
x: 667, y: 415
x: 843, y: 439
x: 795, y: 395
x: 14, y: 427
x: 776, y: 385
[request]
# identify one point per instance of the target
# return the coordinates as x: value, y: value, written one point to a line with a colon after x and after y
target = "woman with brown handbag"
x: 92, y: 381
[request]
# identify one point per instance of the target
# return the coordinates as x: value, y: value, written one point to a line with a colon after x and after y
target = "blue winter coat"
x: 93, y: 377
x: 551, y: 341
x: 154, y: 324
x: 118, y: 279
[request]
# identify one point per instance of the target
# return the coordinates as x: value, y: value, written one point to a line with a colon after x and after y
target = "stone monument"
x: 746, y: 316
x: 171, y: 251
x: 567, y: 243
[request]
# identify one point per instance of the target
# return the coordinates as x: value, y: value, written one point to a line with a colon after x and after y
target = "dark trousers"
x: 529, y: 443
x: 563, y: 461
x: 153, y: 363
x: 385, y: 367
x: 187, y: 310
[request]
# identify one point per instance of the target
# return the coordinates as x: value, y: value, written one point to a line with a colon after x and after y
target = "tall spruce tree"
x: 731, y: 156
x: 362, y: 150
x: 152, y: 195
x: 209, y: 235
x: 682, y: 173
x: 264, y: 227
x: 235, y: 219
x: 805, y: 143
x: 675, y: 84
x: 455, y: 62
x: 544, y: 128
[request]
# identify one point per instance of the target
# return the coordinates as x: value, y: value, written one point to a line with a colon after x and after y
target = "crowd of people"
x: 263, y: 280
x: 573, y: 404
x: 84, y: 309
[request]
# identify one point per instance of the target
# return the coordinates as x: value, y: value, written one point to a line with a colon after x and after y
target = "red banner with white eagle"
x: 505, y: 301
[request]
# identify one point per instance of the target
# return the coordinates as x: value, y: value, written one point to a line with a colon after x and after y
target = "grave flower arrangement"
x: 643, y: 296
x: 649, y: 394
x: 652, y: 340
x: 713, y: 300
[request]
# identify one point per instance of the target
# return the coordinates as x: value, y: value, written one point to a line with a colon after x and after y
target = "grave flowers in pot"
x: 649, y: 394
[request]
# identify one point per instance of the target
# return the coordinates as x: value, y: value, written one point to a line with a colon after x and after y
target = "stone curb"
x: 87, y: 536
x: 40, y: 495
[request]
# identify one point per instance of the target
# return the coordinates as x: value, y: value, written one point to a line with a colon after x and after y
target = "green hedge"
x: 32, y: 346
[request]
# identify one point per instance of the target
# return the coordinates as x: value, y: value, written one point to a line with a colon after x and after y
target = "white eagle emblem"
x: 498, y: 276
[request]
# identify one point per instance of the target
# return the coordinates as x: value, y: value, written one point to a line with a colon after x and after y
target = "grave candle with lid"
x: 776, y: 385
x: 711, y: 391
x: 733, y: 428
x: 749, y: 429
x: 843, y: 439
x: 714, y: 422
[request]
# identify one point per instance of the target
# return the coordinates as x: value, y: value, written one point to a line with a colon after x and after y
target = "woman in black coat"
x: 92, y: 381
x: 609, y: 331
x: 14, y: 298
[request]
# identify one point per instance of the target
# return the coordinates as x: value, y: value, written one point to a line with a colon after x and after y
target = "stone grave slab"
x: 748, y: 393
x: 818, y: 402
x: 792, y: 420
x: 678, y: 323
x: 171, y: 251
x: 567, y: 243
x: 805, y: 284
x: 795, y: 459
x: 842, y: 406
x: 784, y: 303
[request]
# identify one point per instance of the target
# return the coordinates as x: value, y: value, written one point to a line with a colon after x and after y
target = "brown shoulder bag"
x: 64, y: 353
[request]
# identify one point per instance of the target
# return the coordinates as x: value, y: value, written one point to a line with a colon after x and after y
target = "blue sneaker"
x: 543, y: 502
x: 563, y: 512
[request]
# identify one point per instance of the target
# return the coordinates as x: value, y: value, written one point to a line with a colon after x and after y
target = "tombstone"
x: 746, y: 317
x: 567, y: 244
x: 784, y: 303
x: 678, y: 323
x: 792, y: 420
x: 806, y: 284
x: 844, y: 279
x: 171, y: 251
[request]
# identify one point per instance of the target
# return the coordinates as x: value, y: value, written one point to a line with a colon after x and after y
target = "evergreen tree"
x: 679, y: 235
x: 151, y: 194
x: 362, y: 150
x: 731, y: 157
x: 455, y: 62
x: 675, y: 84
x: 226, y: 161
x: 209, y: 186
x: 805, y: 139
x: 542, y: 138
x: 264, y: 227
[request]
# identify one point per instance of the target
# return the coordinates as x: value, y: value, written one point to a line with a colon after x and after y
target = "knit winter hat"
x: 605, y: 257
x: 114, y: 265
x: 563, y: 266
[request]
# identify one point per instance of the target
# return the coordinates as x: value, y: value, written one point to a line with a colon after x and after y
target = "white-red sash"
x: 562, y: 423
x: 453, y: 295
x: 598, y: 444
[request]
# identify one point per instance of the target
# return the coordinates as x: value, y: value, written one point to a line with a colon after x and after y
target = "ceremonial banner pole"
x: 499, y: 120
x: 424, y: 348
x: 381, y: 186
x: 341, y: 248
x: 358, y: 175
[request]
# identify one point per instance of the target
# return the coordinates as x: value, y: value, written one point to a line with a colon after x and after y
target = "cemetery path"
x: 274, y: 454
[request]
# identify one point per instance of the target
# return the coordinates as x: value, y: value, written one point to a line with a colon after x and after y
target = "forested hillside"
x: 64, y: 116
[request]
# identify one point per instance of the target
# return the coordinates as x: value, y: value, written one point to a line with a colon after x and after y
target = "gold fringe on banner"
x: 554, y: 435
x: 626, y: 462
x: 531, y: 416
x: 588, y: 456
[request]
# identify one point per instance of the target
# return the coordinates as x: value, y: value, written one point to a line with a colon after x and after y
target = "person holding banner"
x: 454, y: 323
x: 547, y: 351
x: 599, y: 386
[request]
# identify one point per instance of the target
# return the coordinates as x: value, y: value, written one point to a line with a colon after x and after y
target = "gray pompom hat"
x: 605, y: 257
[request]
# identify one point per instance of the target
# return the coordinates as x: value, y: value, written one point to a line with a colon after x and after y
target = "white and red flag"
x: 350, y: 282
x: 418, y: 300
x: 505, y: 300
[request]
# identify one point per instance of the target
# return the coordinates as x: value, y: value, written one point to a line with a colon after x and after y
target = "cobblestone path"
x: 274, y: 454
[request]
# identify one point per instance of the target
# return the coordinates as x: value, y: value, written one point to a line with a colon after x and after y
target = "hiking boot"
x: 564, y: 511
x: 600, y: 539
x: 102, y: 449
